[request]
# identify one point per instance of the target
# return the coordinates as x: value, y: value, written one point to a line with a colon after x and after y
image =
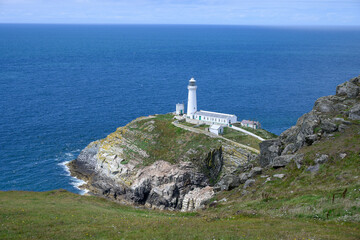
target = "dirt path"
x: 247, y: 132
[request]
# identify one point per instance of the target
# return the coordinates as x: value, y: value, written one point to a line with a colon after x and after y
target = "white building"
x: 192, y: 105
x: 250, y: 124
x: 216, y: 129
x: 180, y: 109
x: 195, y: 116
x: 215, y: 118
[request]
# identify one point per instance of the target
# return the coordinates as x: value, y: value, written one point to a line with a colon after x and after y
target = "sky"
x: 223, y: 12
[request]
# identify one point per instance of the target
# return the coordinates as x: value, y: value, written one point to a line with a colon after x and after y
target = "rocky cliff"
x: 330, y: 115
x: 153, y: 163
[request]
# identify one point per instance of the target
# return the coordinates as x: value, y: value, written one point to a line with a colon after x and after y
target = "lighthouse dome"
x: 192, y: 82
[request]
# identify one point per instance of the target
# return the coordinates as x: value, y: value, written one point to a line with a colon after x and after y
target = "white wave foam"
x: 77, y: 183
x: 70, y: 155
x: 65, y: 167
x: 73, y: 180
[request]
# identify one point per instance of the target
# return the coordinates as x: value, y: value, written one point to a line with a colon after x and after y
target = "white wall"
x: 179, y: 107
x: 192, y: 105
x: 214, y: 131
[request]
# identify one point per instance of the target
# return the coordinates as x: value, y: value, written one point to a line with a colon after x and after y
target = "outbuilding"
x: 180, y: 109
x: 216, y: 129
x: 251, y: 124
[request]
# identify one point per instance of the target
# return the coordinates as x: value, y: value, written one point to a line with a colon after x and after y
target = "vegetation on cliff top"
x: 260, y: 132
x: 238, y: 136
x: 242, y: 138
x: 164, y: 141
x: 154, y: 138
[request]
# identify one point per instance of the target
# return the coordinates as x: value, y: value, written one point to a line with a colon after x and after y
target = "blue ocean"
x: 63, y: 86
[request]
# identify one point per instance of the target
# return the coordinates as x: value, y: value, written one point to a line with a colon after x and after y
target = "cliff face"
x: 153, y: 163
x: 331, y: 114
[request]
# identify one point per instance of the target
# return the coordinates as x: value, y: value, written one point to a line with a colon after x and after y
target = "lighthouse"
x: 192, y: 105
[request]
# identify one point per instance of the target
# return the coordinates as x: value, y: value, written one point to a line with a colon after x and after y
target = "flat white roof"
x: 213, y: 114
x: 216, y: 127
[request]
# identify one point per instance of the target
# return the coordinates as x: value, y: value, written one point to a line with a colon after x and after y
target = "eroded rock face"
x: 320, y: 122
x: 282, y: 161
x: 163, y: 185
x: 269, y: 149
x: 328, y: 126
x: 301, y: 132
x: 116, y: 168
x: 348, y: 89
x: 228, y: 182
x: 197, y: 198
x: 324, y: 104
x: 355, y: 112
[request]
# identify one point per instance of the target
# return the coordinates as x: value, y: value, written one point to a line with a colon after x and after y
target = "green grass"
x: 187, y: 124
x: 63, y: 215
x: 302, y: 205
x: 233, y: 135
x: 168, y: 142
x: 202, y: 127
x: 260, y: 132
x: 241, y: 138
x: 332, y: 193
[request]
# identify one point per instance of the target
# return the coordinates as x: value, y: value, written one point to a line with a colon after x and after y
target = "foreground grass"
x: 63, y: 215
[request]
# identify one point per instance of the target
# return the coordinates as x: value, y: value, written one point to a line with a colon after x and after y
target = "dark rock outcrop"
x: 228, y: 182
x: 269, y: 149
x: 349, y: 89
x: 321, y: 121
x: 354, y: 113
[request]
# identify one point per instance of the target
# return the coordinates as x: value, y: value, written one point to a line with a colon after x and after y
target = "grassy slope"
x: 303, y: 205
x: 306, y: 195
x: 238, y: 136
x: 167, y: 142
x: 260, y: 132
x: 241, y: 138
x: 63, y: 215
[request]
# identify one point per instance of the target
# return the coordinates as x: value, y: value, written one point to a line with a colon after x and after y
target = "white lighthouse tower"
x: 192, y: 105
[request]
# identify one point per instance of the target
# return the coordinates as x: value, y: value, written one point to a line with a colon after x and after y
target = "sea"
x: 64, y: 86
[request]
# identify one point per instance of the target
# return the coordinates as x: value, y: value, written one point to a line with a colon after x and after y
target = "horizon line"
x: 182, y: 24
